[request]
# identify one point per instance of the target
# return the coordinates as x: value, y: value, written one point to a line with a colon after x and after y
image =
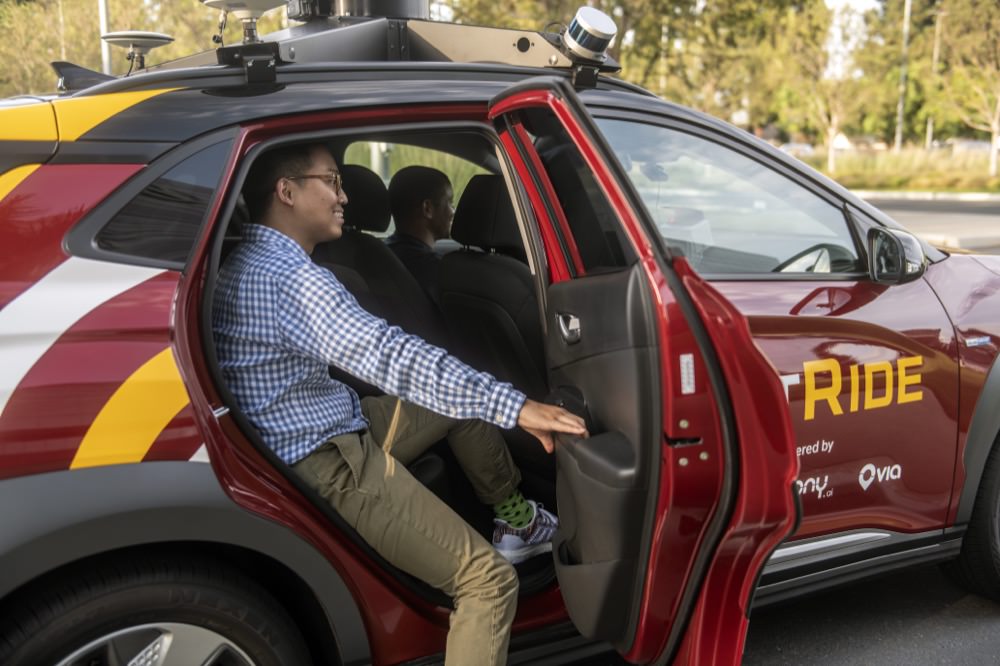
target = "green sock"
x: 515, y: 510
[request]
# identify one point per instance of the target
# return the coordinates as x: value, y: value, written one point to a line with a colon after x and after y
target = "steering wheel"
x: 819, y: 258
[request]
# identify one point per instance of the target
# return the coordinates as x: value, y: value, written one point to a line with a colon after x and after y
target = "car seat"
x: 390, y: 290
x: 487, y: 297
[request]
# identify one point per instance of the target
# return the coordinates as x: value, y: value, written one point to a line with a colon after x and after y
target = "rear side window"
x: 593, y: 223
x: 386, y: 159
x: 162, y: 222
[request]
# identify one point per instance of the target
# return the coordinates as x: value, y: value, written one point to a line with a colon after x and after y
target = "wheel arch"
x: 61, y: 520
x: 984, y: 433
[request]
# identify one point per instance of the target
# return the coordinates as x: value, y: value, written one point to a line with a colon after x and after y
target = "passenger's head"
x: 420, y: 199
x: 297, y: 190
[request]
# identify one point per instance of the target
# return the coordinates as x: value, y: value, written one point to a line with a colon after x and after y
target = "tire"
x: 153, y: 611
x: 978, y: 565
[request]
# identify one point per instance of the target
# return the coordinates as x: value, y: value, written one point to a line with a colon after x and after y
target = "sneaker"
x: 520, y: 544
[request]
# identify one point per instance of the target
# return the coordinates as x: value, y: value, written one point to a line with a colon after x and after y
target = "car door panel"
x: 763, y: 511
x: 673, y: 500
x: 969, y: 289
x: 602, y: 480
x: 855, y: 357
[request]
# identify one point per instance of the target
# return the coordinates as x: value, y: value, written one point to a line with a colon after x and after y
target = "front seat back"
x: 390, y: 291
x: 488, y: 298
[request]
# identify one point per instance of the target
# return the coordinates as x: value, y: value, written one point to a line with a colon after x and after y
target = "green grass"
x: 912, y: 169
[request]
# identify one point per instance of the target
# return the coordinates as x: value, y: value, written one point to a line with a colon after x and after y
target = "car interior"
x: 489, y: 315
x: 495, y: 298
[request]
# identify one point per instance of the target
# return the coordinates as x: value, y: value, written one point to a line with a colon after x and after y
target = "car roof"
x: 346, y: 40
x: 189, y: 102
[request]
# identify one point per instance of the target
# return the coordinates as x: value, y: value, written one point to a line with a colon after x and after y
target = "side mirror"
x: 894, y: 257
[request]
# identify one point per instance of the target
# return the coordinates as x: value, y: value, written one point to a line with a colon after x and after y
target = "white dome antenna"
x: 138, y: 43
x: 247, y: 11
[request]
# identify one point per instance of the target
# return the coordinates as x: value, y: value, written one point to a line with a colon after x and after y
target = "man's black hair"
x: 281, y: 162
x: 411, y: 186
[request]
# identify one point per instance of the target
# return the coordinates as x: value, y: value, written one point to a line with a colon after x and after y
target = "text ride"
x: 826, y: 383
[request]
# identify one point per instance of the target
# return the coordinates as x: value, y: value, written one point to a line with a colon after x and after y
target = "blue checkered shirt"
x: 280, y: 321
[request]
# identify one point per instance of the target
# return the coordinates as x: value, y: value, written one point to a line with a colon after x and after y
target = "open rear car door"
x: 672, y: 506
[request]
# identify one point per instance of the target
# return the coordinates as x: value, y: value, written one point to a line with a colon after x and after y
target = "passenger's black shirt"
x: 420, y: 259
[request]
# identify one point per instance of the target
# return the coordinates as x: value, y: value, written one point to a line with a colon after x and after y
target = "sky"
x: 840, y: 44
x: 860, y: 5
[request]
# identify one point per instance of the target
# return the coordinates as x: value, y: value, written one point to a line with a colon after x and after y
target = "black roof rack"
x: 333, y: 39
x: 349, y: 39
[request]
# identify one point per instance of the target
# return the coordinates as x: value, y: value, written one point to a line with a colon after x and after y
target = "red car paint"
x: 39, y: 212
x: 793, y: 322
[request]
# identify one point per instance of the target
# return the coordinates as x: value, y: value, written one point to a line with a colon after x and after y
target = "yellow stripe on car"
x: 30, y: 122
x: 135, y: 415
x: 78, y: 115
x: 11, y: 179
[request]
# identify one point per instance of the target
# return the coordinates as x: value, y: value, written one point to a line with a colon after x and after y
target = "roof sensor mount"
x: 247, y: 11
x: 589, y: 34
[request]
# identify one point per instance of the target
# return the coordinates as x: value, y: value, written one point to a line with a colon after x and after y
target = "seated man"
x: 421, y: 202
x: 279, y: 320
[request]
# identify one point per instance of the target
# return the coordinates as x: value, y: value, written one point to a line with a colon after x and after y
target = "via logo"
x: 870, y: 473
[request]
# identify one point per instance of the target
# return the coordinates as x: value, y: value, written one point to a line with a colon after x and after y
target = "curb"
x: 970, y: 243
x: 926, y: 196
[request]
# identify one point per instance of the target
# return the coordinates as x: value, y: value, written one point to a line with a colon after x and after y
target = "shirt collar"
x: 258, y: 233
x: 407, y: 239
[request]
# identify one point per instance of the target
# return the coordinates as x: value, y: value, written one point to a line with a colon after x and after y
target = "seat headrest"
x: 485, y: 217
x: 367, y: 199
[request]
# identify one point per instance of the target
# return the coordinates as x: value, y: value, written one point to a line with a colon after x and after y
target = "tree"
x: 971, y: 54
x: 819, y: 86
x: 713, y: 56
x: 725, y: 65
x: 39, y: 32
x: 879, y: 59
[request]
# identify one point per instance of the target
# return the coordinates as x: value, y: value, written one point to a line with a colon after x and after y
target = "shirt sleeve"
x: 322, y: 320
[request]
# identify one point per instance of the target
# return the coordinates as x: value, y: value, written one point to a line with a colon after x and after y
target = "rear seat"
x: 487, y: 295
x: 389, y: 291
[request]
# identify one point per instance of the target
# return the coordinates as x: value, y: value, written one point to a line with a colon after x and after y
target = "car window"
x: 728, y: 213
x: 593, y: 223
x: 162, y: 221
x: 386, y: 159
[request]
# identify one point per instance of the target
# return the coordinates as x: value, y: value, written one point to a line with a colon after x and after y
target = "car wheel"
x: 978, y: 566
x: 154, y: 612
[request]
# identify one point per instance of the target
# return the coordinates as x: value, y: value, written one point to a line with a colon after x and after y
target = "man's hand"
x: 542, y: 420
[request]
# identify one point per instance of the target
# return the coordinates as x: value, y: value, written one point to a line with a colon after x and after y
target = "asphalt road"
x: 914, y: 617
x: 970, y: 225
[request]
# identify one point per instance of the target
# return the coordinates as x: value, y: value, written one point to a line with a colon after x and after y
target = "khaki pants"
x: 363, y: 478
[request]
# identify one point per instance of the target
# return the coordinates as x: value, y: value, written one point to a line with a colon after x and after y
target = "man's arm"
x: 543, y: 421
x: 321, y: 319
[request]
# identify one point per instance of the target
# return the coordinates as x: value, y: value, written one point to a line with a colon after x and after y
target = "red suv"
x: 757, y: 352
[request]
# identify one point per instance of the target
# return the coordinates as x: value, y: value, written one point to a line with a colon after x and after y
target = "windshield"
x: 726, y: 212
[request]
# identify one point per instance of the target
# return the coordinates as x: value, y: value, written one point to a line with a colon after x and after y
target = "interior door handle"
x: 569, y: 327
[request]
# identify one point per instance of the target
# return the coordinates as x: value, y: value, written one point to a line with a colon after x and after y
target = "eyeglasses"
x: 332, y: 180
